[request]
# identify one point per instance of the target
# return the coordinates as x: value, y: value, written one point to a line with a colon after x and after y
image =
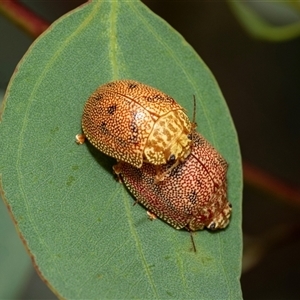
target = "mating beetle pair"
x: 172, y: 170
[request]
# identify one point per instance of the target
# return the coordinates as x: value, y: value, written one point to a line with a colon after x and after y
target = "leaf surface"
x: 15, y: 263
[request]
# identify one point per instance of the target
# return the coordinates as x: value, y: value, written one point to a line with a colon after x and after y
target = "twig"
x: 258, y: 246
x: 29, y: 21
x: 270, y: 184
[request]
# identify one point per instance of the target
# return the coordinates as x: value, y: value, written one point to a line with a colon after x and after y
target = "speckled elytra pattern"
x: 192, y: 196
x: 133, y: 122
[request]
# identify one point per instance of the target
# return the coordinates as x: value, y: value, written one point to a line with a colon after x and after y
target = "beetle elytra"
x: 136, y: 123
x: 192, y: 196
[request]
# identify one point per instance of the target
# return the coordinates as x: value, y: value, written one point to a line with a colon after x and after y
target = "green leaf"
x: 260, y: 28
x: 14, y: 261
x: 81, y: 228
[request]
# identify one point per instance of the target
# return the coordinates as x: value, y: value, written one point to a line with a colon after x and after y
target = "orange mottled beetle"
x: 192, y: 196
x: 136, y: 123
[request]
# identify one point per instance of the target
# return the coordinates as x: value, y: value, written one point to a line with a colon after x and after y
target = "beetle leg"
x: 80, y: 138
x: 151, y: 216
x: 118, y: 170
x: 161, y: 176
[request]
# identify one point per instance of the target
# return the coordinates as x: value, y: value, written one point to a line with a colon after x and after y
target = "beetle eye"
x: 171, y: 158
x: 189, y: 136
x: 212, y: 226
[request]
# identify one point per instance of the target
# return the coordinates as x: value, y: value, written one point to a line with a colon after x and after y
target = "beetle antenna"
x: 193, y: 242
x: 194, y: 113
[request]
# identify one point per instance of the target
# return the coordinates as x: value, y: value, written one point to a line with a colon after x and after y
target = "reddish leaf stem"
x: 23, y: 17
x: 260, y: 179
